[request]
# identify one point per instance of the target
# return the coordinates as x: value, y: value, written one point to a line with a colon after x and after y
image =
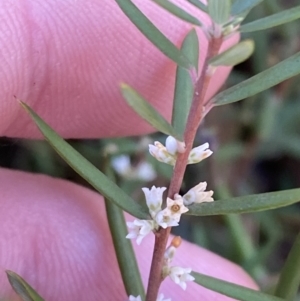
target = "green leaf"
x: 234, y: 291
x: 219, y: 11
x: 22, y: 288
x: 247, y: 204
x: 178, y: 12
x: 283, y: 17
x: 87, y: 170
x: 152, y: 33
x: 147, y: 112
x: 260, y: 82
x: 124, y: 251
x: 289, y: 280
x: 234, y: 55
x: 243, y: 6
x: 199, y: 5
x: 123, y: 247
x: 184, y: 88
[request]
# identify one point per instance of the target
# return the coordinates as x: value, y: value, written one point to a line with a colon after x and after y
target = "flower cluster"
x: 168, y: 154
x: 168, y: 217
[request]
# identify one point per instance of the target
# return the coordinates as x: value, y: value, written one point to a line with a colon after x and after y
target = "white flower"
x: 198, y: 195
x: 161, y: 298
x: 174, y: 146
x: 139, y: 229
x: 154, y: 199
x: 132, y: 298
x: 180, y: 276
x: 160, y: 153
x: 176, y: 207
x: 165, y: 219
x: 199, y: 153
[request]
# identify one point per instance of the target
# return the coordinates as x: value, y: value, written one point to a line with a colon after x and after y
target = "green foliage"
x: 87, y: 170
x: 184, y: 89
x: 219, y: 11
x: 199, y: 4
x: 147, y: 112
x: 152, y: 33
x: 22, y: 288
x: 280, y: 18
x: 247, y: 204
x: 240, y: 7
x: 289, y: 280
x: 178, y: 12
x: 260, y: 82
x: 232, y: 290
x: 234, y: 55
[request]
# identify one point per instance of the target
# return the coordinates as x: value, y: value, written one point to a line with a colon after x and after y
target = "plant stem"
x: 194, y: 120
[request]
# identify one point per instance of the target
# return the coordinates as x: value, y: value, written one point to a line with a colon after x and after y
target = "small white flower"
x: 160, y: 153
x: 199, y: 153
x: 139, y: 229
x: 132, y: 298
x: 165, y: 219
x: 176, y: 207
x: 161, y: 298
x: 198, y: 195
x: 174, y: 146
x: 154, y: 199
x: 180, y: 276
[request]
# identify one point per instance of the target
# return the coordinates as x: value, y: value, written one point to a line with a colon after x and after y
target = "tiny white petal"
x: 180, y: 276
x: 199, y: 153
x: 139, y: 229
x: 165, y: 219
x: 154, y: 199
x: 176, y: 207
x: 160, y: 153
x: 171, y: 145
x: 198, y: 195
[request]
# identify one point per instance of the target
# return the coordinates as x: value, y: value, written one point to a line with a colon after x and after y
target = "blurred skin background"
x: 256, y: 144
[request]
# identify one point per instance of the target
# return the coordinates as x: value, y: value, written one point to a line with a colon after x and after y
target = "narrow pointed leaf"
x: 232, y: 290
x: 247, y: 204
x: 283, y: 17
x: 234, y: 55
x: 124, y: 251
x: 260, y: 82
x: 22, y: 288
x: 219, y: 11
x: 289, y: 279
x: 123, y: 247
x: 178, y: 12
x: 152, y: 33
x: 147, y: 112
x: 87, y: 170
x: 184, y: 89
x: 243, y: 6
x: 199, y: 4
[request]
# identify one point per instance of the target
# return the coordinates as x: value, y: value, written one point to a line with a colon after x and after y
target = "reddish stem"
x: 194, y: 120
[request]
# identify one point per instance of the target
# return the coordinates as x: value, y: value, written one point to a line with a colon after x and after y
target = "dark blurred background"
x: 256, y: 144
